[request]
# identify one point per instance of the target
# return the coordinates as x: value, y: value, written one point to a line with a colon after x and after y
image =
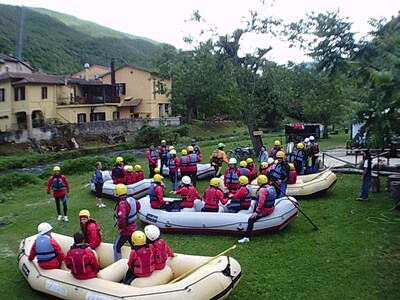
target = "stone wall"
x: 99, y: 127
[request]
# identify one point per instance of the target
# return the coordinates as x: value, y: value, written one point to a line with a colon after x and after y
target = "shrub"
x: 17, y: 180
x: 148, y: 134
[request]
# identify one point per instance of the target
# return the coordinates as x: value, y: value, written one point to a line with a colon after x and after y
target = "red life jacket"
x: 160, y: 254
x: 79, y: 262
x: 143, y: 265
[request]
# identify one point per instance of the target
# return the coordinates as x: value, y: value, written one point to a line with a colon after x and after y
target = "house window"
x: 100, y: 116
x: 166, y: 108
x: 121, y: 88
x: 115, y: 115
x: 19, y: 93
x: 81, y: 118
x: 2, y: 95
x: 44, y: 92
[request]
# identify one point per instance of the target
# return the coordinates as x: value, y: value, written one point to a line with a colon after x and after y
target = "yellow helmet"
x: 249, y: 160
x: 243, y: 180
x: 243, y: 164
x: 157, y: 170
x: 138, y: 238
x: 262, y: 179
x: 171, y: 148
x: 264, y: 165
x: 163, y: 141
x: 215, y: 182
x: 129, y: 169
x: 184, y: 151
x: 138, y: 168
x: 280, y: 154
x: 84, y: 213
x: 119, y: 160
x: 190, y: 149
x: 157, y: 178
x: 120, y: 189
x: 291, y: 166
x: 56, y: 168
x: 300, y: 146
x: 277, y: 143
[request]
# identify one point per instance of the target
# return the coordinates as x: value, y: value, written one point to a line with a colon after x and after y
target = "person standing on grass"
x: 98, y: 181
x: 366, y: 176
x: 59, y: 184
x: 152, y: 156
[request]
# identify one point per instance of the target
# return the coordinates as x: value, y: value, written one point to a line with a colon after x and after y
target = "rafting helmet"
x: 264, y: 165
x: 291, y: 166
x: 119, y: 160
x: 190, y: 149
x: 232, y: 161
x: 262, y: 179
x: 280, y: 154
x: 157, y: 178
x: 277, y: 143
x: 249, y: 160
x: 184, y: 151
x: 186, y: 180
x: 270, y: 160
x: 56, y: 168
x: 157, y: 170
x: 214, y: 182
x: 44, y: 228
x: 121, y: 189
x: 129, y: 169
x: 163, y: 142
x: 171, y: 148
x: 312, y: 138
x: 172, y: 152
x: 138, y: 168
x: 221, y: 145
x: 84, y: 213
x: 300, y: 146
x: 138, y: 238
x: 243, y: 180
x: 152, y: 232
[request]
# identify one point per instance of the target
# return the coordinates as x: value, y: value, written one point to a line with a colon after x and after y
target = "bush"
x: 17, y: 180
x: 148, y: 135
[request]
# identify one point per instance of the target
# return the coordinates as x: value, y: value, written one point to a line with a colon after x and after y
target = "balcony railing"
x: 86, y: 100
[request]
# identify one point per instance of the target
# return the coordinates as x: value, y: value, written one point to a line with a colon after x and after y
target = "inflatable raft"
x: 184, y: 277
x: 204, y: 171
x: 136, y: 190
x: 193, y: 220
x: 307, y: 185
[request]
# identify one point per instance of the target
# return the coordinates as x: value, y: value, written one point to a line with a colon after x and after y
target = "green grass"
x: 353, y: 255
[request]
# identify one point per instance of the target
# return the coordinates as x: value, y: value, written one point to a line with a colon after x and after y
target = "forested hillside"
x: 58, y: 43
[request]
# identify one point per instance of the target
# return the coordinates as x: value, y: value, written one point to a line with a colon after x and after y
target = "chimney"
x: 87, y: 66
x: 112, y: 72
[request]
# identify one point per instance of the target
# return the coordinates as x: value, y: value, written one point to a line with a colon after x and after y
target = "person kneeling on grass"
x: 141, y: 258
x: 265, y: 205
x: 159, y: 247
x: 81, y: 260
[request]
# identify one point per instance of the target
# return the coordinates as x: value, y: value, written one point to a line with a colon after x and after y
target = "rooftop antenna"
x: 20, y: 33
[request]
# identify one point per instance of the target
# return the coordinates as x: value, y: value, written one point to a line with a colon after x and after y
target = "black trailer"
x: 297, y: 132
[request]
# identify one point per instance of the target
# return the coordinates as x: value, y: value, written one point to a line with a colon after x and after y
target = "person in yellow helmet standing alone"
x: 59, y: 184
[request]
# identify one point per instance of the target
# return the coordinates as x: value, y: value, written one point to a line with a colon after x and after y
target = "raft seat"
x: 158, y: 277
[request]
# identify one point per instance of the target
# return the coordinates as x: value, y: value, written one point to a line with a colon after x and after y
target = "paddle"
x: 203, y: 264
x: 297, y: 206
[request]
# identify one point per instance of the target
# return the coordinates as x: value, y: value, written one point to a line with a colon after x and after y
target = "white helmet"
x: 312, y: 138
x: 173, y: 151
x: 306, y: 140
x: 270, y: 160
x: 44, y: 228
x: 152, y: 232
x: 232, y: 161
x: 186, y: 180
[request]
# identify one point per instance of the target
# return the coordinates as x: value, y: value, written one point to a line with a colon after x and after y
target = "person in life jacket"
x: 264, y: 168
x: 97, y: 179
x: 183, y: 163
x: 156, y: 194
x: 212, y: 196
x: 274, y: 150
x: 265, y: 205
x: 118, y: 172
x: 188, y: 193
x: 130, y: 175
x: 59, y: 184
x: 196, y: 147
x: 263, y: 155
x: 171, y: 147
x: 90, y: 229
x: 280, y: 174
x: 126, y: 211
x: 292, y: 174
x: 252, y: 169
x: 217, y: 158
x: 139, y: 175
x: 300, y: 159
x: 313, y: 150
x: 193, y: 160
x: 158, y: 245
x: 173, y: 164
x: 141, y: 258
x: 242, y: 198
x: 48, y: 252
x: 81, y: 260
x: 231, y: 176
x: 271, y: 166
x: 306, y: 148
x: 163, y: 154
x: 243, y: 169
x: 152, y: 156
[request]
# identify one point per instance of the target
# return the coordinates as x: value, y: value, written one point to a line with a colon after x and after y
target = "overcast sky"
x: 164, y: 21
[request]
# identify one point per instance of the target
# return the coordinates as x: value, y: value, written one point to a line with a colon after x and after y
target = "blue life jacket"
x: 184, y: 160
x: 58, y: 184
x: 244, y: 171
x: 299, y: 155
x: 232, y: 176
x: 171, y: 163
x: 97, y: 177
x: 192, y: 159
x: 263, y: 156
x: 44, y: 250
x: 117, y: 172
x: 133, y: 212
x: 152, y: 192
x: 153, y: 154
x: 270, y: 201
x: 280, y: 172
x: 271, y: 193
x: 249, y: 194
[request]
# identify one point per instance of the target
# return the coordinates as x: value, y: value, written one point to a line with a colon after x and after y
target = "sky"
x: 166, y: 21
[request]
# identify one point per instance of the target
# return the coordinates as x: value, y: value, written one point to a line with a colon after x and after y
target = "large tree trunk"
x: 256, y: 140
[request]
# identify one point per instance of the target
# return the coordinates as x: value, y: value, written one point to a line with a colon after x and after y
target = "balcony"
x: 90, y: 100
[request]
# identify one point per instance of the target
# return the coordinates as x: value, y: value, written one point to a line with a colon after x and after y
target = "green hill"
x: 62, y: 44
